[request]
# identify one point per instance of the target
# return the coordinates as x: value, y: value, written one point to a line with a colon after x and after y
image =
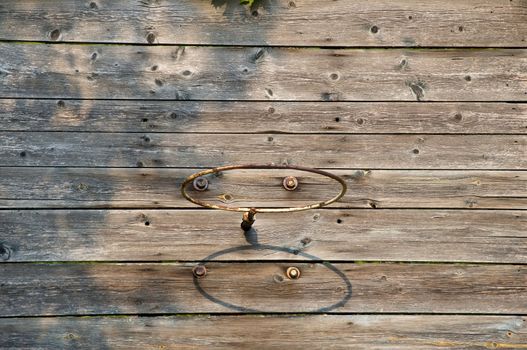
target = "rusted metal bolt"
x: 199, y: 271
x: 293, y: 273
x: 200, y: 184
x: 290, y: 183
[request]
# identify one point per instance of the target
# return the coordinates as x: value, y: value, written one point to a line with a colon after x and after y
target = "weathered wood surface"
x: 252, y: 73
x: 210, y: 150
x: 261, y: 117
x: 337, y: 235
x: 28, y: 187
x: 283, y: 22
x: 102, y: 288
x: 386, y: 332
x: 95, y: 140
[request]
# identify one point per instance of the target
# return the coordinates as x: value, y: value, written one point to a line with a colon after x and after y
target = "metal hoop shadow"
x: 240, y: 308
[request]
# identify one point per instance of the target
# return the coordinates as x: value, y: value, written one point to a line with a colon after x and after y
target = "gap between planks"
x: 260, y: 45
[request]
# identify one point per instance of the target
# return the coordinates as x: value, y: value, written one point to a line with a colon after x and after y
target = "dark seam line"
x: 209, y: 167
x: 260, y: 101
x: 265, y: 133
x: 206, y: 167
x: 159, y: 208
x: 256, y: 100
x: 238, y: 314
x: 370, y: 262
x: 238, y: 45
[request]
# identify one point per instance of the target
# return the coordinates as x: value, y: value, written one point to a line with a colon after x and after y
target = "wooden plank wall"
x: 106, y: 106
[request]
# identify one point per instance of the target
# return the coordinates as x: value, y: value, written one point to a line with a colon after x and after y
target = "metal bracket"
x: 250, y: 212
x: 248, y: 219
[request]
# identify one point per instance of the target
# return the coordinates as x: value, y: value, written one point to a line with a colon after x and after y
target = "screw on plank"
x: 200, y: 184
x: 293, y: 273
x: 199, y: 271
x: 290, y: 183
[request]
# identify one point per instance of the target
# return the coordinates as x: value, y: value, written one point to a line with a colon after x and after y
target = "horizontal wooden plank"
x: 336, y: 235
x: 159, y: 188
x: 282, y: 22
x: 277, y: 117
x: 367, y: 332
x: 252, y: 73
x: 210, y: 150
x: 76, y: 289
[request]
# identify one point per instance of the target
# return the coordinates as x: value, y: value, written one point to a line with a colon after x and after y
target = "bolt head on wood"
x: 293, y: 273
x: 200, y: 184
x: 290, y: 183
x: 199, y: 271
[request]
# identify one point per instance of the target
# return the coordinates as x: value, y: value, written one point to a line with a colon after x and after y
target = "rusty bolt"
x: 290, y: 183
x: 199, y: 271
x: 293, y: 273
x: 200, y: 184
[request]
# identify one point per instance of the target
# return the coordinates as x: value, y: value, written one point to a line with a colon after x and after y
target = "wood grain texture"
x: 211, y: 150
x: 96, y: 136
x: 262, y: 117
x: 381, y: 332
x: 159, y: 188
x: 253, y: 73
x: 306, y: 22
x: 102, y: 288
x: 335, y: 235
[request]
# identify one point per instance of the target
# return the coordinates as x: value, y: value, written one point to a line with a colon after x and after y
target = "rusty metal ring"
x: 263, y: 166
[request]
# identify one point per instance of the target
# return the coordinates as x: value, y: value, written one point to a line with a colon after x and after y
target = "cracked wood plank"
x: 308, y: 22
x: 339, y: 235
x: 153, y: 288
x: 211, y: 150
x: 261, y: 117
x: 252, y: 73
x: 382, y: 332
x: 159, y: 188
